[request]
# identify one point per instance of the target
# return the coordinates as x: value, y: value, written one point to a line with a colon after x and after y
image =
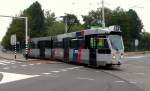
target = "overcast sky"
x: 77, y: 7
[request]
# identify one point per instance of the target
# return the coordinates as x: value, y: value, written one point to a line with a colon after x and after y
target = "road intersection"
x: 59, y: 76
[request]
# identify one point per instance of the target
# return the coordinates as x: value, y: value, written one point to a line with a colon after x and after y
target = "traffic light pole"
x: 26, y: 31
x: 26, y: 35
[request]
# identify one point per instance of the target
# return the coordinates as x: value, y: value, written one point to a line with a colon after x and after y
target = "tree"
x: 71, y: 20
x: 144, y: 43
x: 16, y: 27
x: 59, y: 28
x: 36, y: 20
x: 136, y: 24
x: 49, y: 19
x: 130, y: 24
x: 56, y: 28
x: 94, y: 18
x: 36, y: 25
x: 128, y: 21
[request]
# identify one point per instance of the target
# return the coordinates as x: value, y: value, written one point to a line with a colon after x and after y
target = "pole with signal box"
x: 26, y: 31
x: 13, y: 43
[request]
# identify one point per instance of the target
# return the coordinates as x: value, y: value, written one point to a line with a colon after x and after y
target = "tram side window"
x: 57, y: 44
x: 81, y: 43
x: 44, y: 44
x: 40, y: 44
x: 47, y: 44
x: 77, y: 43
x: 102, y: 45
x: 73, y: 43
x: 93, y: 43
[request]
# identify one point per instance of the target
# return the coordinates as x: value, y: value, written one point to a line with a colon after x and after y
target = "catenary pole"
x: 103, y: 15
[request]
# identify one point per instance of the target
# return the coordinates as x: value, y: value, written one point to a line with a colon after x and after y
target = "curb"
x: 13, y: 59
x: 24, y: 60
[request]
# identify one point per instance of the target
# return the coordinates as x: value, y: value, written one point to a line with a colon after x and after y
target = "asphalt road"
x: 136, y: 70
x: 58, y: 76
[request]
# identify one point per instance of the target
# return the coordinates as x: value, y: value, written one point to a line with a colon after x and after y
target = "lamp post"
x: 103, y: 15
x: 65, y: 20
x: 26, y: 30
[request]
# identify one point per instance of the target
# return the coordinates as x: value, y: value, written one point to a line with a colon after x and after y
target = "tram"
x: 95, y: 47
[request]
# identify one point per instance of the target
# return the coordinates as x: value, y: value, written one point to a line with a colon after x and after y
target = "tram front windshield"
x: 116, y: 42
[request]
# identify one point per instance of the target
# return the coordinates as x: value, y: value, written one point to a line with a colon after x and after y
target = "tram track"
x: 122, y: 79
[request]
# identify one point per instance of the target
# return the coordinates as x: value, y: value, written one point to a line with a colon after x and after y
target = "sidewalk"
x: 11, y: 56
x: 19, y: 57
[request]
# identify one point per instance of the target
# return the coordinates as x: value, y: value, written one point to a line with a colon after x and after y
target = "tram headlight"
x: 121, y: 56
x: 114, y: 57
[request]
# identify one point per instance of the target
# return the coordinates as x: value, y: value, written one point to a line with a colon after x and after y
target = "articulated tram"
x: 95, y: 47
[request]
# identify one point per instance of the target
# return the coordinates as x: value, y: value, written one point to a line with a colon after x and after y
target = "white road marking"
x: 55, y: 71
x: 81, y: 78
x: 73, y: 68
x: 46, y: 73
x: 23, y: 65
x: 139, y: 73
x: 119, y: 81
x: 133, y: 82
x: 3, y: 64
x: 11, y: 77
x: 136, y: 57
x: 5, y: 68
x: 31, y: 64
x: 63, y: 70
x: 7, y: 62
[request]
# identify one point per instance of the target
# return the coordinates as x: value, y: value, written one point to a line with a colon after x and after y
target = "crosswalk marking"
x: 64, y: 70
x: 136, y: 57
x: 133, y: 82
x: 31, y: 64
x: 5, y: 68
x: 119, y: 81
x: 23, y: 65
x: 3, y: 64
x: 83, y: 78
x: 55, y: 71
x: 6, y: 62
x: 46, y: 73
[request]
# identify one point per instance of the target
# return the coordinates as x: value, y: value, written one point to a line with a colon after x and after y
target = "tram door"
x: 41, y: 45
x: 92, y: 57
x: 66, y: 49
x: 92, y: 49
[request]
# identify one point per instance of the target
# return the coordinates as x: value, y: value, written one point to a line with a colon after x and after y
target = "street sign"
x: 13, y: 39
x: 136, y: 42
